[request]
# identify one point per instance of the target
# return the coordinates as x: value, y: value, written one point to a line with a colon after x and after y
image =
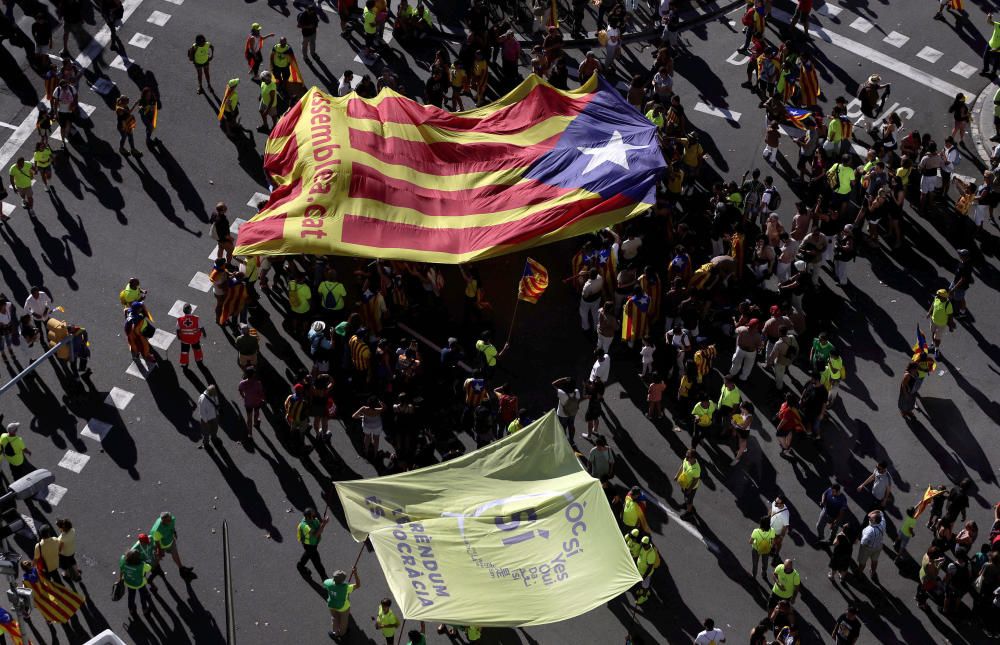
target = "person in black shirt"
x: 813, y: 405
x: 41, y: 33
x: 958, y: 501
x: 963, y: 280
x: 308, y: 23
x: 847, y: 629
x: 435, y: 88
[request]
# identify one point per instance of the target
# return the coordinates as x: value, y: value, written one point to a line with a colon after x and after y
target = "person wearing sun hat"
x: 871, y: 99
x: 253, y: 49
x: 942, y: 315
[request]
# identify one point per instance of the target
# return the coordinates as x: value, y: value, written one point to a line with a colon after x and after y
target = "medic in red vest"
x: 189, y: 332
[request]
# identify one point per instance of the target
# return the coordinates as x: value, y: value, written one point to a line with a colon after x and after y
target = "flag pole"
x: 357, y: 559
x: 513, y: 318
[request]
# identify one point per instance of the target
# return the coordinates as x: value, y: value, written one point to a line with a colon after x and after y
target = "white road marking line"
x: 964, y: 69
x: 200, y: 282
x: 214, y: 255
x: 258, y: 198
x: 896, y: 39
x: 158, y: 18
x: 829, y: 9
x: 140, y: 40
x: 177, y: 2
x: 121, y: 63
x: 74, y: 461
x: 29, y: 524
x: 27, y: 127
x: 862, y: 25
x: 884, y: 60
x: 354, y: 81
x: 738, y: 59
x: 162, y: 339
x: 119, y: 398
x: 87, y: 108
x: 96, y: 429
x: 234, y: 228
x: 965, y: 179
x: 55, y: 494
x: 7, y: 209
x: 177, y: 310
x: 387, y: 35
x: 9, y: 126
x: 136, y: 371
x: 930, y: 54
x: 722, y: 113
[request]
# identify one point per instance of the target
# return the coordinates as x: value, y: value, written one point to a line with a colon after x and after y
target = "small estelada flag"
x: 534, y: 280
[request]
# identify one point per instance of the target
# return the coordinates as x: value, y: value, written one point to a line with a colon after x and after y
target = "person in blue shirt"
x: 833, y: 505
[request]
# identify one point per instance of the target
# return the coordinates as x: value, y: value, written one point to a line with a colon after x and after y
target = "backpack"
x: 833, y: 175
x: 572, y: 404
x: 775, y: 198
x: 763, y: 546
x: 329, y: 300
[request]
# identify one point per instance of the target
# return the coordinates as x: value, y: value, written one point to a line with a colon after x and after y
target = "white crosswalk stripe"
x: 136, y: 371
x: 55, y: 494
x: 177, y: 310
x: 121, y: 63
x: 722, y: 113
x: 964, y: 69
x: 96, y: 430
x: 158, y: 18
x: 200, y: 282
x: 162, y: 339
x: 862, y: 25
x: 930, y: 54
x: 74, y: 461
x: 829, y: 9
x: 140, y: 40
x: 119, y: 398
x: 258, y: 198
x: 896, y: 39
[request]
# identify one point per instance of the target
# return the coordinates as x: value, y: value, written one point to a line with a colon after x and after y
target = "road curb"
x: 982, y: 121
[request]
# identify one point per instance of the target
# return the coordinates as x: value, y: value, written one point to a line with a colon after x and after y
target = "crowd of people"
x: 715, y: 266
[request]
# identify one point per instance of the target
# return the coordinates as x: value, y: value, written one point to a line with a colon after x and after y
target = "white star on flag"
x: 614, y: 151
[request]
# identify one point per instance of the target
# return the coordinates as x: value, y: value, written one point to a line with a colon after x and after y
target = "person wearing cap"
x: 231, y: 108
x: 633, y: 542
x: 338, y: 600
x: 132, y: 570
x: 13, y: 449
x: 148, y: 553
x: 200, y: 54
x: 772, y: 328
x: 268, y: 101
x: 942, y: 316
x: 253, y: 49
x: 871, y: 99
x: 647, y: 561
x: 208, y: 416
x: 164, y: 536
x: 634, y: 510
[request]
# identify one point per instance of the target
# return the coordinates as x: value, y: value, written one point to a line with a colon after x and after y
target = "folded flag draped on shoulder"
x: 393, y: 179
x: 156, y: 115
x: 294, y: 75
x: 222, y: 104
x: 534, y: 280
x: 9, y: 626
x: 635, y: 317
x: 798, y: 116
x: 57, y: 603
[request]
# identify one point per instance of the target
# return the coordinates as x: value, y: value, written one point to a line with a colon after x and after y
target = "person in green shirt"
x: 415, y: 637
x: 13, y: 449
x: 488, y: 354
x: 300, y: 303
x: 132, y: 570
x: 309, y: 533
x: 702, y: 416
x: 21, y: 174
x: 942, y: 314
x: 268, y: 101
x: 231, y: 108
x: 991, y: 57
x: 786, y: 584
x: 338, y: 601
x: 761, y: 541
x: 820, y: 352
x: 145, y: 548
x: 386, y: 621
x: 332, y: 294
x: 201, y: 54
x: 370, y: 22
x: 689, y: 478
x: 164, y: 536
x: 42, y: 162
x: 906, y: 531
x: 730, y: 397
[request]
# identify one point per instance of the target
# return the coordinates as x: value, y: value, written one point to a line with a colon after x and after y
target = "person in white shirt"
x: 64, y: 105
x: 590, y: 300
x: 646, y: 355
x: 345, y: 86
x: 208, y: 415
x: 39, y: 305
x: 780, y: 519
x: 870, y: 546
x: 711, y: 635
x: 8, y: 326
x: 602, y: 367
x: 569, y: 402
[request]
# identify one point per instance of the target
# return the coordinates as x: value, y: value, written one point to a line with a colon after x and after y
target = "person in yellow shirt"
x: 702, y: 416
x: 386, y: 621
x: 201, y: 54
x: 942, y: 314
x: 459, y: 84
x: 370, y: 22
x: 689, y: 478
x: 47, y: 553
x: 41, y: 161
x: 268, y: 101
x: 21, y: 174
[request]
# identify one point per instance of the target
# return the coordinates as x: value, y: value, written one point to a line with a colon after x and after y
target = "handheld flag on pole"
x: 921, y: 345
x: 798, y: 116
x: 554, y: 15
x: 929, y: 495
x: 534, y: 280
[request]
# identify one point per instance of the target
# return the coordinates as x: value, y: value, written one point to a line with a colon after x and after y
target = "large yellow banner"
x: 516, y: 533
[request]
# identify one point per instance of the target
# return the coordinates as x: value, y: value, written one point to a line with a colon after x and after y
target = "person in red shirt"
x: 802, y: 12
x: 189, y: 332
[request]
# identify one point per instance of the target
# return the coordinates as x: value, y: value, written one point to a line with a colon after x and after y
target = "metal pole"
x: 228, y: 582
x: 31, y: 368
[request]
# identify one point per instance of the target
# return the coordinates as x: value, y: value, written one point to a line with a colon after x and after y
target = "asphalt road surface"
x: 128, y: 449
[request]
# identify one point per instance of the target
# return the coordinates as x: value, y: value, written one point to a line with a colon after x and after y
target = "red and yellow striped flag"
x: 393, y: 179
x: 10, y: 627
x: 156, y: 115
x: 57, y: 603
x: 294, y: 75
x: 222, y: 105
x: 925, y: 501
x: 534, y: 280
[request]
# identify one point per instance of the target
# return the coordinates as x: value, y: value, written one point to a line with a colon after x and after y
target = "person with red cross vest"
x: 189, y: 332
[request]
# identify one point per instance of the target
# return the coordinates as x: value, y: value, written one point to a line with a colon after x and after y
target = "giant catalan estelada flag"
x: 391, y: 178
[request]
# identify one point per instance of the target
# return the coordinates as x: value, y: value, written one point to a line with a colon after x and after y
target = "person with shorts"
x: 942, y: 316
x: 370, y: 415
x: 201, y: 54
x: 164, y: 536
x: 870, y: 546
x: 21, y: 175
x: 64, y: 104
x: 268, y: 101
x: 67, y: 550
